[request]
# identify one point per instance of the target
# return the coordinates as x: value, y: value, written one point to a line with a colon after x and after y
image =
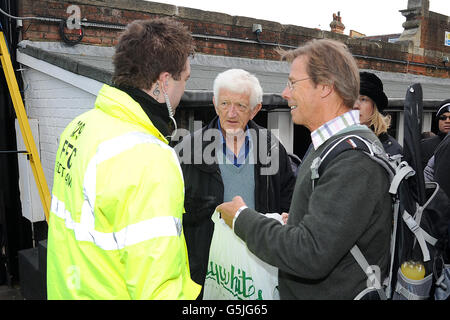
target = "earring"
x: 156, y: 92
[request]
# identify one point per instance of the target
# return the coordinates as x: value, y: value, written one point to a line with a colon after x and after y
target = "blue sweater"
x: 238, y: 181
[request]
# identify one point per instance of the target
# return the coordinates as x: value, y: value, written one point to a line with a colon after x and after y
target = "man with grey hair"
x: 230, y: 156
x: 349, y: 203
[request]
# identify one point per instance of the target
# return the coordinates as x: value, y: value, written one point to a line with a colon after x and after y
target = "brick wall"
x: 399, y: 57
x: 433, y: 32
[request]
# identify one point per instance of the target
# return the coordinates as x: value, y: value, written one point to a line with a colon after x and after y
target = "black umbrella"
x: 413, y: 113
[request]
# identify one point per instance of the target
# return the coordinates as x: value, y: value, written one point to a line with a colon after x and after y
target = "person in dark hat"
x: 371, y: 102
x: 429, y: 145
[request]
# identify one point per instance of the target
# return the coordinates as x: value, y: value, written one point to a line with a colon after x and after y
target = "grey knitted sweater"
x: 349, y: 205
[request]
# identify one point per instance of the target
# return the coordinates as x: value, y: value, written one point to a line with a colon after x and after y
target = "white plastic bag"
x: 234, y: 272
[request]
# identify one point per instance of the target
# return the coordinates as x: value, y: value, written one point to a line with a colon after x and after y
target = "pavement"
x: 10, y: 293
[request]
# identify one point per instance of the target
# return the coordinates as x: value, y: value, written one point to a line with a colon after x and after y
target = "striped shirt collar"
x: 334, y: 126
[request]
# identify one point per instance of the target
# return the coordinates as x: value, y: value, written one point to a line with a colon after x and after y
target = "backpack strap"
x: 421, y: 235
x: 413, y: 224
x: 371, y: 274
x: 349, y: 142
x: 353, y: 142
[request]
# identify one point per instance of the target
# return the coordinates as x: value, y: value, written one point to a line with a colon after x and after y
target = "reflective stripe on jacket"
x: 115, y: 227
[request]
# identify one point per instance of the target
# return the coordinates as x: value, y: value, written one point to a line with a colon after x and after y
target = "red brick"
x: 432, y: 36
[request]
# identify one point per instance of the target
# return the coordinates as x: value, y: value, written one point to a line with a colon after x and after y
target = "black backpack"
x: 419, y: 233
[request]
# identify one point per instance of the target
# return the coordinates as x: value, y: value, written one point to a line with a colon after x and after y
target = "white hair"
x: 239, y: 81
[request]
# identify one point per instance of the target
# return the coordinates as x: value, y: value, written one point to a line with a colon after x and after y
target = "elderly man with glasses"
x: 231, y: 156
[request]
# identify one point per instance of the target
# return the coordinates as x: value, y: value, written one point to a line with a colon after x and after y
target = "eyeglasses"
x: 290, y: 84
x: 226, y: 105
x: 443, y: 118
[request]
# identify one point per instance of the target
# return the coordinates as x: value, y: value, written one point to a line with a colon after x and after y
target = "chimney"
x: 415, y: 14
x: 336, y: 25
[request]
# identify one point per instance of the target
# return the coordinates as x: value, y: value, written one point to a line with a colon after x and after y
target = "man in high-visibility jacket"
x: 115, y: 226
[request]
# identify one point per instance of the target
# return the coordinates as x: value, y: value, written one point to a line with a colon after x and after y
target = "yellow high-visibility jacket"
x: 115, y: 226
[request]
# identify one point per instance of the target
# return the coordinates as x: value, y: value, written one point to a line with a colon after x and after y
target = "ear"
x: 255, y: 110
x: 164, y: 80
x: 214, y: 104
x: 327, y: 89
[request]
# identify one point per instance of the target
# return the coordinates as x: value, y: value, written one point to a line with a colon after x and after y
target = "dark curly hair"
x: 148, y: 47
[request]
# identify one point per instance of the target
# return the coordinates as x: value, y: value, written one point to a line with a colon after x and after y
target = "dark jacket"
x: 390, y: 145
x: 428, y: 146
x: 349, y: 205
x: 442, y: 165
x: 204, y: 191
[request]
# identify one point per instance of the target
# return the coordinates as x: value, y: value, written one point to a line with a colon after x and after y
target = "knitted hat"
x: 372, y: 87
x: 443, y: 108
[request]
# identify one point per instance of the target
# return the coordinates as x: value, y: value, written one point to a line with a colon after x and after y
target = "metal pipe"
x: 8, y: 152
x: 206, y: 37
x: 401, y: 61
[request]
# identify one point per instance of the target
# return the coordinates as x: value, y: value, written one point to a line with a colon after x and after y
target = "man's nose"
x: 232, y: 110
x: 286, y: 93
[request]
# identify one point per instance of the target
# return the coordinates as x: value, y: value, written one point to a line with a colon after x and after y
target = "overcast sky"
x: 374, y: 17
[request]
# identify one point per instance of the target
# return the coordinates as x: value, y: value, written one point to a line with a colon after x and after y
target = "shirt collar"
x: 243, y: 152
x: 334, y: 126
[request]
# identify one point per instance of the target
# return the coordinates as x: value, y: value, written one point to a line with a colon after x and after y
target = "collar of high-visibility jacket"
x: 157, y: 112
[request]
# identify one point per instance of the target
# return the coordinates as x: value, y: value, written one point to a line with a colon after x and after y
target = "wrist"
x: 238, y: 212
